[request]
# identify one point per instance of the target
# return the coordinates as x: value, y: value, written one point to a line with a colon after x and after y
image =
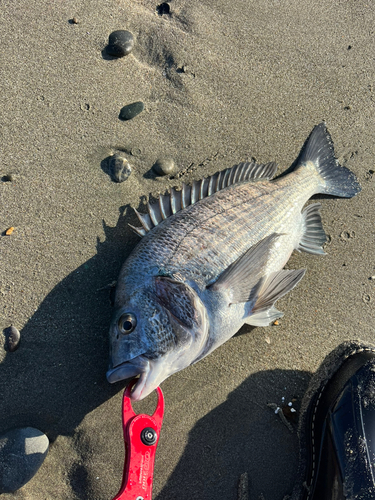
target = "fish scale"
x: 174, y: 248
x: 211, y: 259
x: 239, y: 219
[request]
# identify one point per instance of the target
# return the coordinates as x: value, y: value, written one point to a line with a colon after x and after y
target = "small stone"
x: 164, y: 166
x: 74, y: 20
x: 163, y: 9
x: 131, y: 110
x: 120, y: 43
x: 22, y: 452
x: 7, y: 178
x: 119, y: 168
x: 12, y: 338
x: 9, y: 231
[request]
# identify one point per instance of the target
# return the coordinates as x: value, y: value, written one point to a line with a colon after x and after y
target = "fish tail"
x: 334, y: 179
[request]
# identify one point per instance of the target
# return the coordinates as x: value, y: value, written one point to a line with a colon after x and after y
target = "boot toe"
x: 337, y: 428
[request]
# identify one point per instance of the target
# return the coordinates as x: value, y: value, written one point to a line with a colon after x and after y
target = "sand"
x: 222, y: 82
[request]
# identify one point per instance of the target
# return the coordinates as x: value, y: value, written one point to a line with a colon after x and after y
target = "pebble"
x: 131, y: 110
x: 119, y: 168
x: 164, y: 166
x: 9, y: 231
x: 120, y: 43
x: 22, y: 452
x: 12, y: 338
x: 163, y: 8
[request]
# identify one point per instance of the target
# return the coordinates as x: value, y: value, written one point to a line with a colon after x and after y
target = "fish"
x: 211, y: 258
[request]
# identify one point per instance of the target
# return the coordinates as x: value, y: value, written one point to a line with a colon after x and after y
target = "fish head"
x: 161, y: 329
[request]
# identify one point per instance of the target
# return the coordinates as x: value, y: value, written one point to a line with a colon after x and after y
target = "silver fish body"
x: 211, y: 259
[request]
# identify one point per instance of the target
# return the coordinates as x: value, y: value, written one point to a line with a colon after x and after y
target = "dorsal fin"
x: 177, y: 200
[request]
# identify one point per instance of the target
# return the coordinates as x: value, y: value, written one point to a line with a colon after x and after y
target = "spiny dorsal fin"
x: 177, y: 200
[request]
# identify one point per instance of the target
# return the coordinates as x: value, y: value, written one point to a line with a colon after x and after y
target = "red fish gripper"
x: 141, y: 436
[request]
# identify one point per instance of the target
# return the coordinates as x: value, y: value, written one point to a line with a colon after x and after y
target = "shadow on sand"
x: 57, y: 375
x: 242, y: 435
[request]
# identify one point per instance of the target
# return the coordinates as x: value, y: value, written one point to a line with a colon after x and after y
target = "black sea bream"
x: 211, y: 259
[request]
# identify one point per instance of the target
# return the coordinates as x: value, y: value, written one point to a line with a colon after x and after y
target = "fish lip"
x: 126, y: 370
x: 140, y: 390
x: 151, y: 373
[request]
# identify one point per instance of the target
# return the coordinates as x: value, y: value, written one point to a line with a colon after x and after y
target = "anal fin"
x: 264, y: 318
x: 273, y: 288
x: 313, y: 236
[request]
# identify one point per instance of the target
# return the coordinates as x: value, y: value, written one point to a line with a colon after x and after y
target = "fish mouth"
x: 128, y: 369
x: 150, y: 372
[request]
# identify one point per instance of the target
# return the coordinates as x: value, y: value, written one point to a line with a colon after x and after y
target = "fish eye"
x: 127, y: 323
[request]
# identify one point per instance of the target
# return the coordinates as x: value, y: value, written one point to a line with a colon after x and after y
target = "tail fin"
x: 335, y: 179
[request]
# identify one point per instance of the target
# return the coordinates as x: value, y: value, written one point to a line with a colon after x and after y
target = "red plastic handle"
x: 141, y: 437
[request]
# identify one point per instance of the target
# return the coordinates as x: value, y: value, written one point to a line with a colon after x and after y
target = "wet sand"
x: 222, y: 82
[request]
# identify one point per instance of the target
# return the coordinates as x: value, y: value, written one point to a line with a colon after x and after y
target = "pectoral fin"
x: 243, y: 278
x: 272, y: 289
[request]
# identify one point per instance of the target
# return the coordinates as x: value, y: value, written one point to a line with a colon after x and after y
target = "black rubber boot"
x: 337, y: 428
